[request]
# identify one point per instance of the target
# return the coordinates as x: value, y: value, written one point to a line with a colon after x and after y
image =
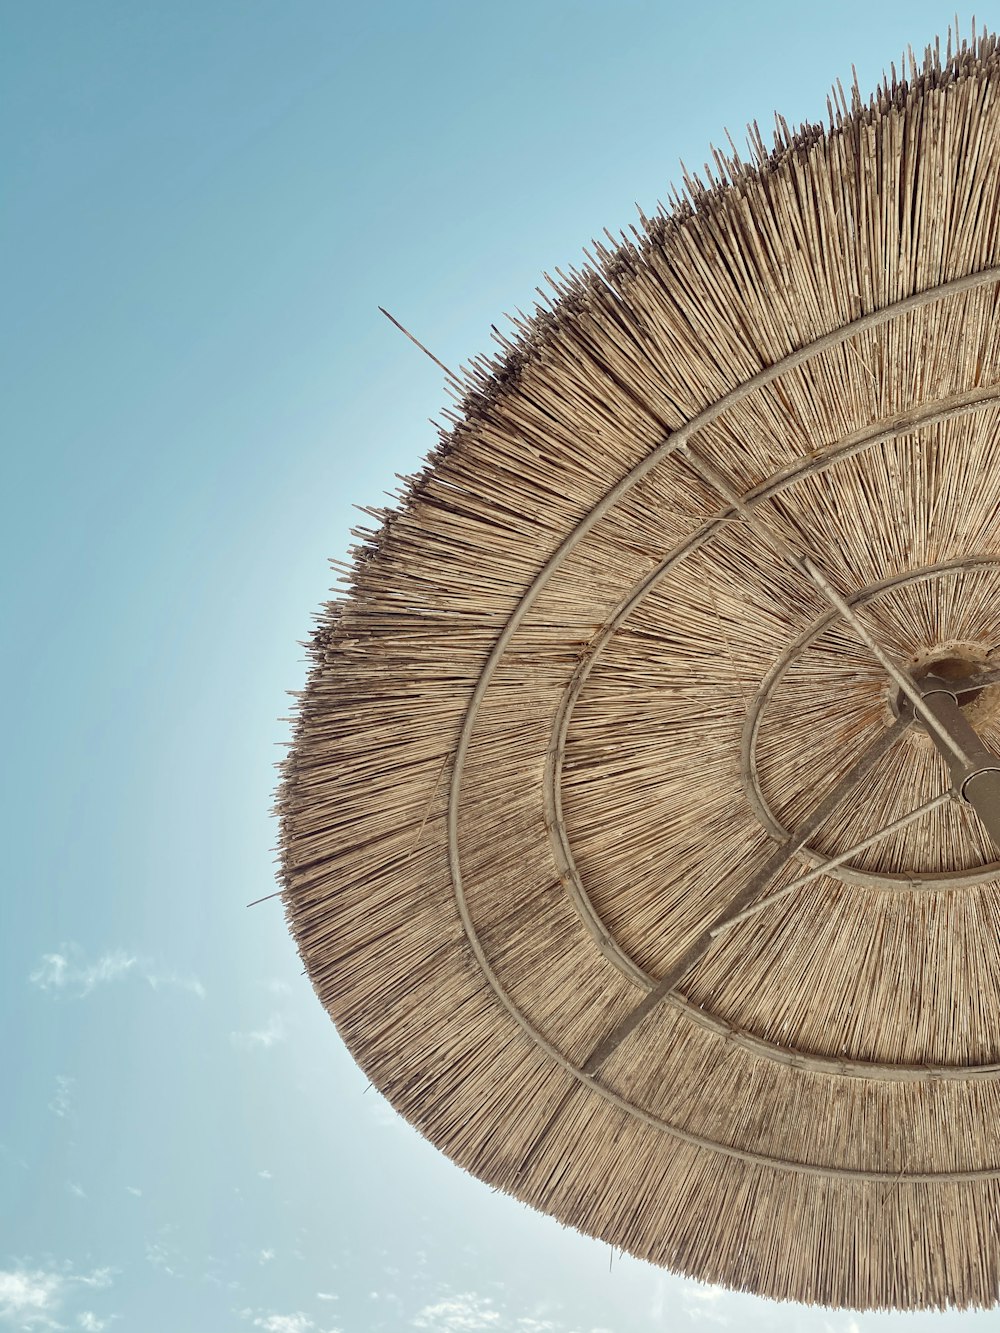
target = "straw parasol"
x: 640, y: 824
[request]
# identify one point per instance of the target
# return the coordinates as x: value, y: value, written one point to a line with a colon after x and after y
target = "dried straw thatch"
x: 575, y: 697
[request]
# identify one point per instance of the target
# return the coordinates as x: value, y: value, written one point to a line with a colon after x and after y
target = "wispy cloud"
x: 132, y: 1189
x: 76, y: 1190
x: 265, y: 1175
x: 289, y: 1323
x: 265, y: 1256
x: 462, y: 1313
x: 705, y: 1295
x: 157, y: 1255
x: 69, y: 972
x: 658, y: 1301
x: 701, y: 1302
x: 31, y: 1297
x: 273, y: 1031
x: 62, y: 1102
x: 163, y: 1254
x: 60, y: 971
x: 175, y: 979
x: 99, y: 1278
x: 90, y: 1323
x: 471, y: 1312
x: 34, y: 1298
x: 11, y: 1156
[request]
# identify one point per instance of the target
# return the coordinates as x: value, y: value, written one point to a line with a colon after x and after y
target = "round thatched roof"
x: 575, y: 703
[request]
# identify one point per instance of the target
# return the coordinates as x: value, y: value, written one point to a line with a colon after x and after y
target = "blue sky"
x: 204, y: 205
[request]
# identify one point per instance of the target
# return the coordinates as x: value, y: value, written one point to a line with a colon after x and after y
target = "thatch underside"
x: 571, y: 699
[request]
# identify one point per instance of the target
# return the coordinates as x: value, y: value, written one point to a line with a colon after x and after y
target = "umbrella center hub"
x: 958, y: 663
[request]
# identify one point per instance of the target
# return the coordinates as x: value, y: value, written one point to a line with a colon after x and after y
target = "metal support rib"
x: 909, y: 818
x: 741, y: 899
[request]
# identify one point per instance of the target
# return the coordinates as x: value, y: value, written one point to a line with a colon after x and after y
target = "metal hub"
x: 963, y: 667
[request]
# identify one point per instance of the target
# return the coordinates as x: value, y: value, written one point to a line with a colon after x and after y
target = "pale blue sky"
x: 203, y: 205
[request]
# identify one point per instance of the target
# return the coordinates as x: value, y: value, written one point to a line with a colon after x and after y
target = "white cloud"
x: 287, y: 1323
x: 272, y: 1031
x: 30, y: 1297
x: 68, y: 971
x: 326, y: 1296
x: 700, y: 1302
x: 264, y: 1175
x: 100, y: 1277
x: 57, y: 971
x: 132, y: 1189
x: 76, y: 1189
x: 33, y: 1298
x: 266, y: 1256
x: 471, y: 1312
x: 708, y: 1295
x: 162, y: 1256
x: 659, y: 1300
x: 90, y: 1323
x: 190, y: 984
x: 62, y: 1102
x: 463, y: 1313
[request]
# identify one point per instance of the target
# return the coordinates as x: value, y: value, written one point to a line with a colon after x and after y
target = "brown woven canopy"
x: 646, y: 642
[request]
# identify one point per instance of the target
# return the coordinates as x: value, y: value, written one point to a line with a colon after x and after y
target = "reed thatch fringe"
x: 570, y: 701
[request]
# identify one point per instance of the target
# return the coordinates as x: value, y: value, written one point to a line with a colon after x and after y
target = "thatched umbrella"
x: 598, y: 824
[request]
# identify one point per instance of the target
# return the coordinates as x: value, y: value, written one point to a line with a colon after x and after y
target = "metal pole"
x: 978, y: 780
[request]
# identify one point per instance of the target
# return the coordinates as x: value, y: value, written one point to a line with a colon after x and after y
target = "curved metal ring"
x: 610, y: 499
